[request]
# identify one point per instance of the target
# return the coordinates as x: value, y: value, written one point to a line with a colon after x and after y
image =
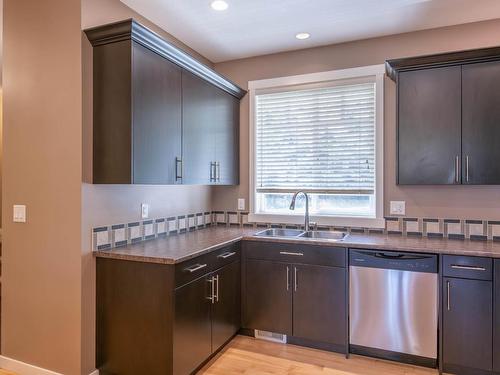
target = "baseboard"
x: 22, y: 368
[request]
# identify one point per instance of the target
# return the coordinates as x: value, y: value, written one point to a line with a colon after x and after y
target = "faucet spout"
x: 306, y: 216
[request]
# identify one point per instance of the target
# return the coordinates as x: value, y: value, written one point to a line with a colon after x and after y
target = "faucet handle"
x: 313, y: 225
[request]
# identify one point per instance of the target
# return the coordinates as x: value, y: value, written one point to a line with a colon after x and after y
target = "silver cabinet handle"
x: 212, y: 290
x: 457, y: 169
x: 217, y: 171
x: 195, y: 268
x: 287, y: 278
x: 470, y: 268
x: 212, y: 178
x: 291, y: 253
x: 226, y: 255
x: 296, y: 283
x: 467, y: 168
x: 216, y: 278
x: 178, y: 171
x: 448, y: 296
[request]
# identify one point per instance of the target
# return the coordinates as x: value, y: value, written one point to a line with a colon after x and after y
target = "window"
x: 319, y: 133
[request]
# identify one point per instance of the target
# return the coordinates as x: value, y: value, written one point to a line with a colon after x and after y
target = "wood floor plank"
x: 248, y: 356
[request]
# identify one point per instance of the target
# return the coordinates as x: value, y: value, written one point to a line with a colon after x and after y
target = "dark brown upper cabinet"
x: 481, y: 123
x: 160, y: 116
x: 448, y: 114
x: 429, y: 115
x: 210, y: 128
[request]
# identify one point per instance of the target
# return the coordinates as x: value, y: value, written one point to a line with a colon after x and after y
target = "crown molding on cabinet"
x: 442, y: 59
x: 131, y: 29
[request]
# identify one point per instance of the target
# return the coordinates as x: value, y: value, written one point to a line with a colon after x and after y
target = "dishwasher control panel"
x: 402, y: 261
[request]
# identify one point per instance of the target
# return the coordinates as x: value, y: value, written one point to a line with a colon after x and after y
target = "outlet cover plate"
x: 241, y: 203
x: 144, y: 210
x: 398, y: 208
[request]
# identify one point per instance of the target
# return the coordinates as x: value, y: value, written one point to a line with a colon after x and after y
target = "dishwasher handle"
x: 400, y: 256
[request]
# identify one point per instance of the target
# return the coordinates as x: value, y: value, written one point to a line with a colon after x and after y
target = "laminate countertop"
x: 181, y: 247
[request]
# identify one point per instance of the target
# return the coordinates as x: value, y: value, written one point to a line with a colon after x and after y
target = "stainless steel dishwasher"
x: 393, y: 305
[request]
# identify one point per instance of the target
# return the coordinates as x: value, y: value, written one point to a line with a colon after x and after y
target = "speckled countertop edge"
x: 127, y: 253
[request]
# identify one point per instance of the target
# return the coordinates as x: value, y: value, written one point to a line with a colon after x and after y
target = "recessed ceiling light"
x: 302, y: 36
x: 219, y: 5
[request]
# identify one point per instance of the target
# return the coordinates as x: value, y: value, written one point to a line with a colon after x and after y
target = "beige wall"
x: 41, y: 283
x: 431, y: 201
x: 108, y: 204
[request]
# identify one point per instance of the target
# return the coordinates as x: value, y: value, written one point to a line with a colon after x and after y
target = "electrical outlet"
x: 241, y: 203
x: 19, y: 213
x: 398, y: 207
x: 144, y: 210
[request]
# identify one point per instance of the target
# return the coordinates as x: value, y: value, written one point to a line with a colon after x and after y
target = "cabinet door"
x: 156, y: 97
x: 467, y: 324
x: 481, y: 123
x: 226, y: 319
x: 198, y: 134
x: 227, y: 116
x: 429, y: 123
x: 319, y: 304
x: 268, y: 296
x: 496, y: 320
x: 192, y: 328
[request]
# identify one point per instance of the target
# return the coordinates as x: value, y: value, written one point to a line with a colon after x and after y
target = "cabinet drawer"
x: 193, y: 268
x: 467, y: 267
x: 296, y: 253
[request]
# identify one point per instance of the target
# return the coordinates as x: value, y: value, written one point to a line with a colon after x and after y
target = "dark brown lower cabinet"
x: 319, y: 303
x: 206, y: 317
x: 192, y: 326
x: 268, y: 296
x: 467, y: 326
x: 496, y: 318
x: 305, y: 301
x: 226, y: 311
x: 159, y: 319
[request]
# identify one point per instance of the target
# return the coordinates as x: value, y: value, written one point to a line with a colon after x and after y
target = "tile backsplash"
x: 116, y: 235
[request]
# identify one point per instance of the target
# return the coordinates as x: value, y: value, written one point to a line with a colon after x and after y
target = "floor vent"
x: 270, y: 336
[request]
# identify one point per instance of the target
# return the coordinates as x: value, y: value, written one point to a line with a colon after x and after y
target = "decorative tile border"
x: 116, y: 235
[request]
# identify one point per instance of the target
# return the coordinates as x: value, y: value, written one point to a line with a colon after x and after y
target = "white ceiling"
x: 258, y: 27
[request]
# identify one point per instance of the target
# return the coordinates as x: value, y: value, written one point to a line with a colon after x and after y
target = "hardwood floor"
x: 248, y: 356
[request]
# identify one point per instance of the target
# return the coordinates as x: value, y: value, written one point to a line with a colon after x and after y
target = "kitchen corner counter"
x: 181, y: 247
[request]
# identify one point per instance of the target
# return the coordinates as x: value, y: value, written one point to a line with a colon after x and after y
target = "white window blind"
x: 318, y: 140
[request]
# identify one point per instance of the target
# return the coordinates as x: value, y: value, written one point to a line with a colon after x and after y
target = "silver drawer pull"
x: 226, y: 255
x: 470, y: 268
x: 195, y: 268
x: 290, y: 253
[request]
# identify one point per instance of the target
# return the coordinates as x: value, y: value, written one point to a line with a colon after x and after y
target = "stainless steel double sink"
x: 333, y: 236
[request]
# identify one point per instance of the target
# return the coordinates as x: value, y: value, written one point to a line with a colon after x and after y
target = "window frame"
x: 376, y: 74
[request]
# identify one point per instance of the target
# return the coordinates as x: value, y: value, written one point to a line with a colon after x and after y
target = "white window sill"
x: 338, y: 221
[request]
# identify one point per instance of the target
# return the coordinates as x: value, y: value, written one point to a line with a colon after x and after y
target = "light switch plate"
x: 398, y: 208
x: 241, y: 203
x: 19, y: 213
x: 144, y: 210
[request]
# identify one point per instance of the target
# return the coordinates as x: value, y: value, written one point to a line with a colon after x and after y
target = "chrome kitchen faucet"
x: 306, y: 216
